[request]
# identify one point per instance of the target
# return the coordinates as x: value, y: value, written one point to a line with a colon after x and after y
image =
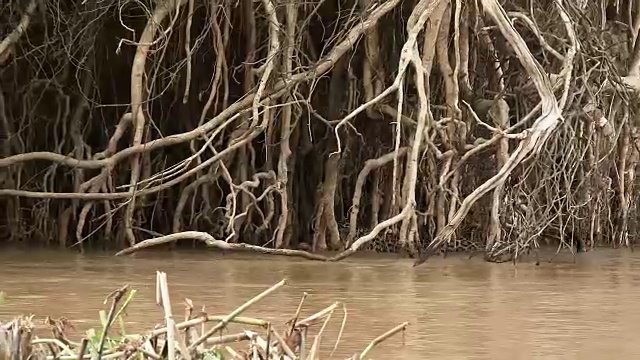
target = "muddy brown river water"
x: 458, y: 308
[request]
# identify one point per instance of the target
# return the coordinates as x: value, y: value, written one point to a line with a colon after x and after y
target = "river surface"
x: 457, y: 308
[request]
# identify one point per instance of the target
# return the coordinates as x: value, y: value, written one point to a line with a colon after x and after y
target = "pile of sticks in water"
x: 191, y: 339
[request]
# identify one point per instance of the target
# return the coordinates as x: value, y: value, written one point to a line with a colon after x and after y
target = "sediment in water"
x: 189, y: 339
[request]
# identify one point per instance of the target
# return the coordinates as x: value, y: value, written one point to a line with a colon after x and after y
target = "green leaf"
x: 3, y: 297
x: 212, y: 355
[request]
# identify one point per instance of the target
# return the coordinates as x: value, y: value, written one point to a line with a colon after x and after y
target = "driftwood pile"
x: 190, y: 339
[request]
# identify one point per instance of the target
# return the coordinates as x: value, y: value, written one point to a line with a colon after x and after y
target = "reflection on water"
x: 458, y: 308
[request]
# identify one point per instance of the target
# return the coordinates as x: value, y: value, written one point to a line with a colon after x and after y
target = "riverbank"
x: 545, y: 252
x: 192, y: 337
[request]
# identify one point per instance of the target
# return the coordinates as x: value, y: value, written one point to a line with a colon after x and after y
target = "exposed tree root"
x: 218, y: 244
x: 334, y: 125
